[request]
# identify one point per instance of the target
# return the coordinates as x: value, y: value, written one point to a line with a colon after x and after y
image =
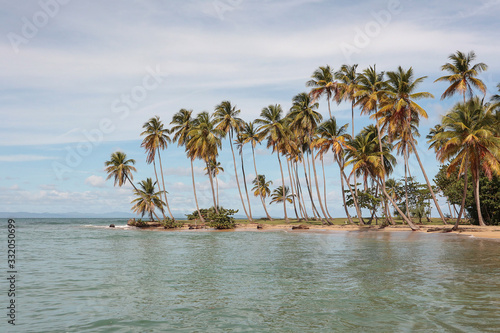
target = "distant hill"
x: 66, y: 215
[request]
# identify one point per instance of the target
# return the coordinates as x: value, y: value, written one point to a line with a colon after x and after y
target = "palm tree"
x: 368, y: 92
x: 304, y: 120
x: 463, y: 74
x: 333, y: 137
x: 273, y: 129
x: 251, y: 134
x: 227, y: 120
x: 120, y: 168
x: 215, y: 167
x: 183, y: 123
x: 240, y: 142
x: 261, y: 189
x: 156, y: 139
x: 470, y: 143
x: 323, y: 83
x: 399, y: 112
x: 348, y: 82
x: 204, y: 144
x: 148, y: 200
x: 278, y: 195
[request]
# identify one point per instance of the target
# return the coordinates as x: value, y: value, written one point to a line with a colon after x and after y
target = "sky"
x: 80, y: 78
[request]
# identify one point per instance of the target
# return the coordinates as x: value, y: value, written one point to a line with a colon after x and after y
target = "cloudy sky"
x: 79, y: 78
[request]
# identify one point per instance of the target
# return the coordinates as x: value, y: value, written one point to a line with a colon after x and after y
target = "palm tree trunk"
x: 159, y: 187
x: 387, y: 211
x: 236, y: 175
x: 217, y: 188
x: 352, y: 122
x: 324, y: 187
x: 260, y: 194
x: 283, y: 182
x: 212, y: 186
x: 195, y: 197
x: 400, y: 212
x: 299, y: 191
x: 293, y: 190
x: 329, y: 111
x: 343, y: 196
x: 428, y: 183
x: 245, y: 183
x: 354, y: 198
x: 405, y: 154
x: 475, y: 176
x: 318, y: 192
x: 164, y: 190
x: 464, y: 195
x: 314, y: 210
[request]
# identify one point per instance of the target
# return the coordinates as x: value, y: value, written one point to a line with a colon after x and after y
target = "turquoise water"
x: 78, y: 276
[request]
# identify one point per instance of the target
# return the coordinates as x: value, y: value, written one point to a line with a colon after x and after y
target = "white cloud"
x: 95, y: 181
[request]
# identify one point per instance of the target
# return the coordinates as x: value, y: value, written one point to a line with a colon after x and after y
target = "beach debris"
x: 260, y: 226
x: 111, y: 225
x: 300, y: 226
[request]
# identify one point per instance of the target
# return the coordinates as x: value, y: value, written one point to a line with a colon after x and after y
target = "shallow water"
x: 76, y: 276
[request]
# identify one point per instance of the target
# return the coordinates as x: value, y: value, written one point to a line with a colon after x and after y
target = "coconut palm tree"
x: 204, y: 143
x: 398, y: 112
x: 304, y: 119
x: 272, y: 127
x: 470, y: 143
x: 156, y: 139
x: 183, y: 123
x: 348, y: 82
x: 368, y: 92
x: 215, y: 167
x: 323, y: 83
x: 227, y: 120
x: 333, y: 137
x: 120, y: 168
x: 262, y: 190
x: 251, y: 134
x: 279, y: 196
x: 240, y: 142
x: 147, y: 199
x: 462, y: 77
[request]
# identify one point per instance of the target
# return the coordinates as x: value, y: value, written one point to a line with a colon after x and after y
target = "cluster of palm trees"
x: 300, y: 139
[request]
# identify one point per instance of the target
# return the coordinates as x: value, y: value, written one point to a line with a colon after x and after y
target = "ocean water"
x: 77, y: 275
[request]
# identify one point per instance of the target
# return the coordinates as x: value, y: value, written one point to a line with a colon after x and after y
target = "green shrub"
x: 169, y: 223
x: 222, y: 220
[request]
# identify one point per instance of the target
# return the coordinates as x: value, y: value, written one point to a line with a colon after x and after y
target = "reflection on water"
x: 83, y: 279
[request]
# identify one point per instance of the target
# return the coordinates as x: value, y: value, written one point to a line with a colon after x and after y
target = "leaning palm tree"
x: 273, y: 128
x: 147, y: 199
x: 204, y: 144
x: 323, y: 83
x: 120, y: 168
x: 279, y: 195
x: 251, y: 134
x: 261, y: 189
x: 183, y: 123
x: 470, y: 143
x: 399, y: 111
x: 227, y: 120
x: 156, y: 139
x: 463, y: 74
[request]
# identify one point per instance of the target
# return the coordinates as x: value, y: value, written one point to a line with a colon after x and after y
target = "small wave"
x: 106, y: 226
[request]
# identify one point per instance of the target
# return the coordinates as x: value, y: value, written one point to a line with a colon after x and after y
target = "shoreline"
x: 488, y: 232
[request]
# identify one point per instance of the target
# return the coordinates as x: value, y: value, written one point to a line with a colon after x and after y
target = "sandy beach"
x: 489, y: 232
